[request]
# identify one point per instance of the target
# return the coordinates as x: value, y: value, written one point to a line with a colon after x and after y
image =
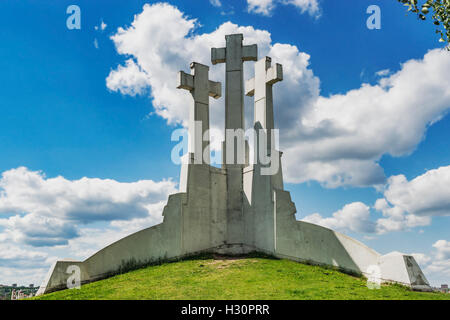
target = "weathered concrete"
x: 235, y: 209
x: 402, y: 268
x: 260, y: 87
x: 201, y: 89
x: 234, y: 55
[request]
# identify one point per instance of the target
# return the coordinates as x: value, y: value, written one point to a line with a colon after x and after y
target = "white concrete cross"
x: 233, y: 149
x: 201, y: 88
x: 234, y: 55
x: 261, y: 88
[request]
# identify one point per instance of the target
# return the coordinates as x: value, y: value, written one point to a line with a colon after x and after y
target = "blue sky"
x: 60, y: 116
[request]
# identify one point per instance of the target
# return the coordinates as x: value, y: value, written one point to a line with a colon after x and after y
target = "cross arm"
x: 250, y: 53
x: 274, y: 74
x: 185, y: 81
x: 218, y: 55
x: 215, y: 89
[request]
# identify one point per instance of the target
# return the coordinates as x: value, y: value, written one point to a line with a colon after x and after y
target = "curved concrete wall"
x: 309, y: 242
x: 196, y: 221
x: 159, y: 242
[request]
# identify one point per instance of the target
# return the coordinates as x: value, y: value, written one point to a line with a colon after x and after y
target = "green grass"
x: 237, y: 278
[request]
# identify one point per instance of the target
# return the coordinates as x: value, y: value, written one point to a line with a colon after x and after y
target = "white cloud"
x: 336, y: 140
x: 101, y: 27
x: 216, y: 3
x: 22, y: 265
x: 22, y: 276
x: 129, y: 79
x: 406, y: 205
x: 436, y: 265
x: 13, y: 256
x: 309, y: 6
x: 263, y: 7
x: 396, y: 219
x: 439, y: 269
x: 45, y: 211
x: 353, y: 217
x: 38, y: 230
x: 383, y: 73
x: 266, y: 7
x: 425, y: 195
x: 339, y: 139
x: 443, y: 249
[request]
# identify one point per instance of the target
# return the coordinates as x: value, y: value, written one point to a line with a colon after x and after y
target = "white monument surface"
x: 236, y: 209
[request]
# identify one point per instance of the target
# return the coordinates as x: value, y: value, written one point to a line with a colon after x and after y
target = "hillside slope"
x: 237, y: 278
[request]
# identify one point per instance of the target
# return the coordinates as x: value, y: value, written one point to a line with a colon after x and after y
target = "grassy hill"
x: 237, y: 278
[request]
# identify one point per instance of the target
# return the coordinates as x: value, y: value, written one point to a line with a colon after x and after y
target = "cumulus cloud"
x: 439, y: 269
x: 21, y: 264
x: 37, y: 230
x: 436, y: 265
x: 397, y: 219
x: 405, y: 205
x: 263, y: 7
x: 22, y: 276
x: 336, y: 140
x: 390, y: 117
x: 129, y: 79
x: 14, y: 256
x: 356, y: 217
x: 45, y: 211
x: 408, y: 204
x: 353, y: 217
x: 443, y: 249
x: 266, y: 7
x: 425, y: 195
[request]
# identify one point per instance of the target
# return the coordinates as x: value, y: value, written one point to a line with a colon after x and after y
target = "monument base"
x: 195, y: 222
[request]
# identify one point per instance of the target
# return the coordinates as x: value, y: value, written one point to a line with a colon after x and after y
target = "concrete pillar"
x: 234, y: 55
x: 261, y: 88
x: 201, y: 88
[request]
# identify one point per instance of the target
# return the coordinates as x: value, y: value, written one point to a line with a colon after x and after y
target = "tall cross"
x: 234, y: 55
x: 261, y: 88
x: 201, y: 88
